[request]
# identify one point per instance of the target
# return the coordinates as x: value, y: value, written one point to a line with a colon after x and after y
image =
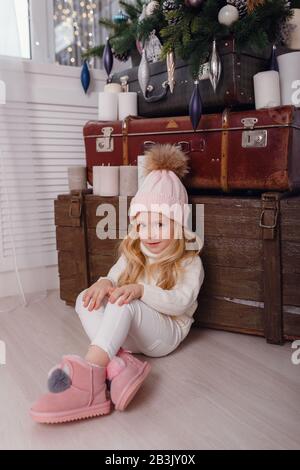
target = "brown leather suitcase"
x: 246, y: 150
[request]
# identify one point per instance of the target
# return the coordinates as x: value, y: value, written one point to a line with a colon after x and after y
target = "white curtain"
x: 22, y: 248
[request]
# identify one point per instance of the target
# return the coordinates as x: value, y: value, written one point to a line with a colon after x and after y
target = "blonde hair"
x: 167, y: 268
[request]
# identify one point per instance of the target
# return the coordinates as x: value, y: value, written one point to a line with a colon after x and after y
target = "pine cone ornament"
x: 241, y: 5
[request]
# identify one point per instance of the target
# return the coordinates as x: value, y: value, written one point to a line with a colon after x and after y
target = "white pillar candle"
x: 107, y: 106
x: 141, y: 160
x: 293, y: 41
x: 267, y: 89
x: 289, y: 70
x: 77, y: 178
x: 128, y: 180
x: 113, y: 88
x: 106, y: 180
x: 127, y: 104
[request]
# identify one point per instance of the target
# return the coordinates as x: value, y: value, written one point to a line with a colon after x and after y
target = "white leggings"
x: 134, y: 326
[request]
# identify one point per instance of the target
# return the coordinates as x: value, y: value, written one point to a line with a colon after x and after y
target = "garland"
x: 189, y: 30
x: 195, y: 31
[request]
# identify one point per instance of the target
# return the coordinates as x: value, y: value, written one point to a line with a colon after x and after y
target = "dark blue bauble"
x: 85, y: 76
x: 108, y: 59
x: 195, y: 106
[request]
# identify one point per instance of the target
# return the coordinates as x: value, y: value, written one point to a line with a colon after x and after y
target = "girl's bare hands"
x: 125, y: 294
x: 95, y: 294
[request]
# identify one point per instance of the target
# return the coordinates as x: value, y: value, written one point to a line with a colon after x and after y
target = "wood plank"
x: 240, y: 283
x: 104, y: 247
x: 67, y: 237
x: 291, y: 289
x: 222, y: 314
x: 231, y: 225
x: 100, y: 265
x: 69, y: 289
x: 291, y: 325
x: 232, y: 252
x: 227, y: 201
x: 291, y: 257
x: 62, y: 216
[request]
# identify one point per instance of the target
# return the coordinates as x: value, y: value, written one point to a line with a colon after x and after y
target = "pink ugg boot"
x: 77, y: 391
x: 126, y: 374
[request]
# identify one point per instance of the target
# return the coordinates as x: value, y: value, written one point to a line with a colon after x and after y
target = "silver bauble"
x: 215, y: 67
x: 144, y: 73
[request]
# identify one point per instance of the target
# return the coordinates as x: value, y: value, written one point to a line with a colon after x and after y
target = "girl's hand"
x: 96, y: 293
x: 126, y: 294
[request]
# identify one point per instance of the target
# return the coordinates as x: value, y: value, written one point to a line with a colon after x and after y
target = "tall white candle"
x: 107, y: 106
x: 267, y: 89
x: 127, y: 104
x: 289, y: 70
x: 106, y: 180
x: 77, y: 178
x: 113, y: 88
x: 128, y: 180
x: 141, y: 160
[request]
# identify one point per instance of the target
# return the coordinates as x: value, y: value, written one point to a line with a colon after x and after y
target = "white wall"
x: 58, y: 111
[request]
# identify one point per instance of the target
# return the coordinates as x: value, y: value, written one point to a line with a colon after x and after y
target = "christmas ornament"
x: 228, y: 15
x: 143, y: 14
x: 171, y: 70
x: 215, y: 67
x: 153, y: 48
x: 144, y: 73
x: 195, y: 106
x: 139, y: 46
x: 151, y: 7
x: 120, y: 17
x: 169, y: 6
x: 252, y: 4
x: 85, y: 77
x: 121, y: 57
x: 273, y: 61
x: 241, y: 6
x: 108, y: 58
x: 193, y: 3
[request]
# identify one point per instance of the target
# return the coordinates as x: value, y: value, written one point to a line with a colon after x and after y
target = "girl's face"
x: 155, y: 230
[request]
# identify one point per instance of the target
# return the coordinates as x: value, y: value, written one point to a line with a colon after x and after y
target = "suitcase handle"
x: 155, y: 98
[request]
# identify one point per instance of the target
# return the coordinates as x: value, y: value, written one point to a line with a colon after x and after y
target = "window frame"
x: 41, y: 31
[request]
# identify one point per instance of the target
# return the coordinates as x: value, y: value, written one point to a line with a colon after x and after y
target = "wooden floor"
x: 217, y: 391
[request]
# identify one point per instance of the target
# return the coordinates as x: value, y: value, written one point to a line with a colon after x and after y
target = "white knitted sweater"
x: 180, y: 302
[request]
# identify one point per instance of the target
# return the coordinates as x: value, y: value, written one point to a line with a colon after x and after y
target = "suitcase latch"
x: 254, y: 139
x: 249, y: 123
x: 105, y: 143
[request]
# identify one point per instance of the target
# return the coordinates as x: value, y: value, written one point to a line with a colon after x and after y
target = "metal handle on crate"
x: 262, y: 225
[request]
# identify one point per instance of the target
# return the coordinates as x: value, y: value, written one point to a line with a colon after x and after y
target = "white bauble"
x: 151, y: 7
x: 228, y: 15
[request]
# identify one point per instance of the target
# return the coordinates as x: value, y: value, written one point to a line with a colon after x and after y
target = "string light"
x: 81, y: 17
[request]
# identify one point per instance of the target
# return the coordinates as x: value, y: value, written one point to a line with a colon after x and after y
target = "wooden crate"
x: 252, y: 271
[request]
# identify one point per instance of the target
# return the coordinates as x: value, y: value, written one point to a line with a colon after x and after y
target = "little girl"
x: 145, y: 304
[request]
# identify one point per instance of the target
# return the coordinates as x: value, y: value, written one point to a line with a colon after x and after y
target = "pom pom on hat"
x: 166, y: 157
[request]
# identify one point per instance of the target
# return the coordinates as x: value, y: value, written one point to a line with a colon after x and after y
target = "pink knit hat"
x: 162, y: 191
